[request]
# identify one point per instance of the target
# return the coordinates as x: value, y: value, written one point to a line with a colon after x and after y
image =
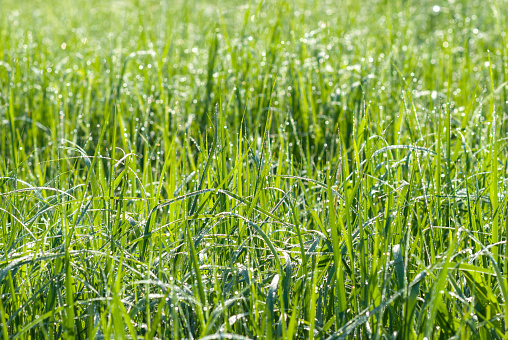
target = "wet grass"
x: 265, y: 169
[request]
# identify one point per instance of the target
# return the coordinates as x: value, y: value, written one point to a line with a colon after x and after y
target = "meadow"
x: 258, y: 169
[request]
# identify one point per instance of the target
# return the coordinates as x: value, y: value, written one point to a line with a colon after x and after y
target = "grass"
x: 260, y: 169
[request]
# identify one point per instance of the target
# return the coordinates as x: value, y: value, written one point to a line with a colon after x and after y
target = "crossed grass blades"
x: 264, y: 169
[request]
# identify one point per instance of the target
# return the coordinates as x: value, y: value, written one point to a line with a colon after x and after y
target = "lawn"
x: 277, y: 169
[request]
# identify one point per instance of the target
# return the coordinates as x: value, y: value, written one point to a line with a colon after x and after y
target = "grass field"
x: 305, y: 169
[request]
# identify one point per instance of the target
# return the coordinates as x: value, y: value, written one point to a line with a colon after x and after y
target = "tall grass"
x: 261, y: 169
